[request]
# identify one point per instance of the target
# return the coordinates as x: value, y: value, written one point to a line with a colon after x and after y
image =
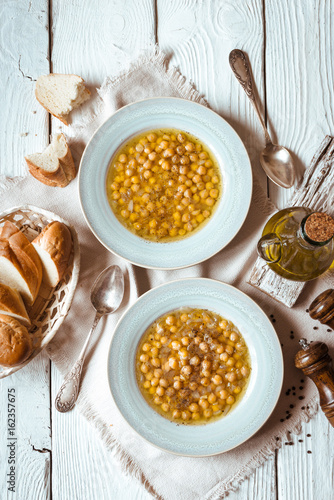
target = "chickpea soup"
x: 163, y: 185
x: 192, y: 366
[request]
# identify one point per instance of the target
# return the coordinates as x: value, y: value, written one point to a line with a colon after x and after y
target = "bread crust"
x: 11, y: 304
x: 15, y: 341
x: 61, y: 177
x: 56, y: 240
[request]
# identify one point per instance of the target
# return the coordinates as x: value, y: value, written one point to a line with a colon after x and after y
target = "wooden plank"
x: 25, y: 432
x: 24, y: 129
x: 199, y: 36
x: 104, y: 41
x: 24, y: 123
x: 299, y: 78
x: 82, y: 466
x: 304, y: 464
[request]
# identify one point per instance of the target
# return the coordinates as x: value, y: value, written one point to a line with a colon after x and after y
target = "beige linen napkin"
x: 167, y: 476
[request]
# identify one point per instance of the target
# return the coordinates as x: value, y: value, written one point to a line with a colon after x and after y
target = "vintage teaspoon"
x: 275, y: 160
x: 106, y: 297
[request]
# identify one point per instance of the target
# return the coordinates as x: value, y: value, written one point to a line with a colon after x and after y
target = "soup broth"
x: 163, y: 185
x: 192, y: 366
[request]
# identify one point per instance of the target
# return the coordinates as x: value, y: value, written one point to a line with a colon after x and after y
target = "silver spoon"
x: 106, y: 297
x: 275, y: 160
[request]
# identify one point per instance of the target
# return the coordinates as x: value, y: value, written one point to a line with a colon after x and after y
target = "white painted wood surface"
x: 289, y: 46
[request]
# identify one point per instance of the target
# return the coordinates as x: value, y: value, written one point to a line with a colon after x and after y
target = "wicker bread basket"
x: 52, y: 304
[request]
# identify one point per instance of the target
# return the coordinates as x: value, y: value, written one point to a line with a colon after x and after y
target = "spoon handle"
x: 241, y: 69
x: 69, y: 390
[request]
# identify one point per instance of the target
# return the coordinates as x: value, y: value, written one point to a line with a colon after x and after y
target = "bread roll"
x: 54, y: 166
x: 20, y: 265
x: 11, y: 304
x: 15, y: 342
x: 54, y: 246
x: 59, y: 94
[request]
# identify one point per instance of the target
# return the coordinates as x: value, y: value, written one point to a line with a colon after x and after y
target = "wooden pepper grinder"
x: 316, y: 363
x: 322, y: 308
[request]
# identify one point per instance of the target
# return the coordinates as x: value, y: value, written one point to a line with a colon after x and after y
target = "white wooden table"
x: 59, y: 456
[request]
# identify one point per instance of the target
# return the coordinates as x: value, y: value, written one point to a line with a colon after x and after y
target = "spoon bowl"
x: 108, y: 290
x: 106, y: 297
x: 275, y: 160
x: 277, y: 163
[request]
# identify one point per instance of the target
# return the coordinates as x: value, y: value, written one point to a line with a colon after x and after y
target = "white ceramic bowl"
x: 184, y: 115
x: 263, y: 389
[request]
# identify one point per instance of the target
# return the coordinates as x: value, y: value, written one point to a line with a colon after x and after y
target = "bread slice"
x: 15, y: 342
x: 54, y: 246
x: 55, y: 166
x: 11, y: 303
x: 20, y: 265
x: 59, y: 94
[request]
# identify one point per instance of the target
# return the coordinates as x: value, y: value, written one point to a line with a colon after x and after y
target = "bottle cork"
x: 319, y: 227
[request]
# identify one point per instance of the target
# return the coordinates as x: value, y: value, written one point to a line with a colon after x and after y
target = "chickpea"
x: 186, y: 415
x: 223, y: 394
x: 176, y: 345
x: 181, y: 138
x: 230, y: 400
x: 173, y: 363
x: 177, y: 384
x: 170, y: 320
x: 194, y: 361
x: 194, y: 407
x: 190, y: 147
x: 244, y: 371
x: 185, y: 341
x: 160, y: 391
x: 204, y: 403
x: 229, y: 349
x: 207, y: 413
x: 217, y: 379
x: 212, y: 398
x: 155, y: 362
x: 164, y: 383
x: 144, y: 368
x: 204, y: 347
x: 152, y: 137
x: 144, y: 358
x: 157, y: 372
x: 196, y: 415
x: 165, y: 407
x: 170, y: 391
x: 176, y: 414
x: 231, y: 377
x: 186, y: 370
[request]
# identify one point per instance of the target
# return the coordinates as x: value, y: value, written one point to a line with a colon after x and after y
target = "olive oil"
x: 298, y: 243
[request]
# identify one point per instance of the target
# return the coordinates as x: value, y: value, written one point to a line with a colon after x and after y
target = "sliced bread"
x: 20, y: 265
x: 54, y: 246
x: 59, y: 94
x: 55, y: 166
x: 11, y: 303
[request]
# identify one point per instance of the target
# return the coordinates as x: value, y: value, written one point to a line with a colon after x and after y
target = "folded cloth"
x: 167, y: 476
